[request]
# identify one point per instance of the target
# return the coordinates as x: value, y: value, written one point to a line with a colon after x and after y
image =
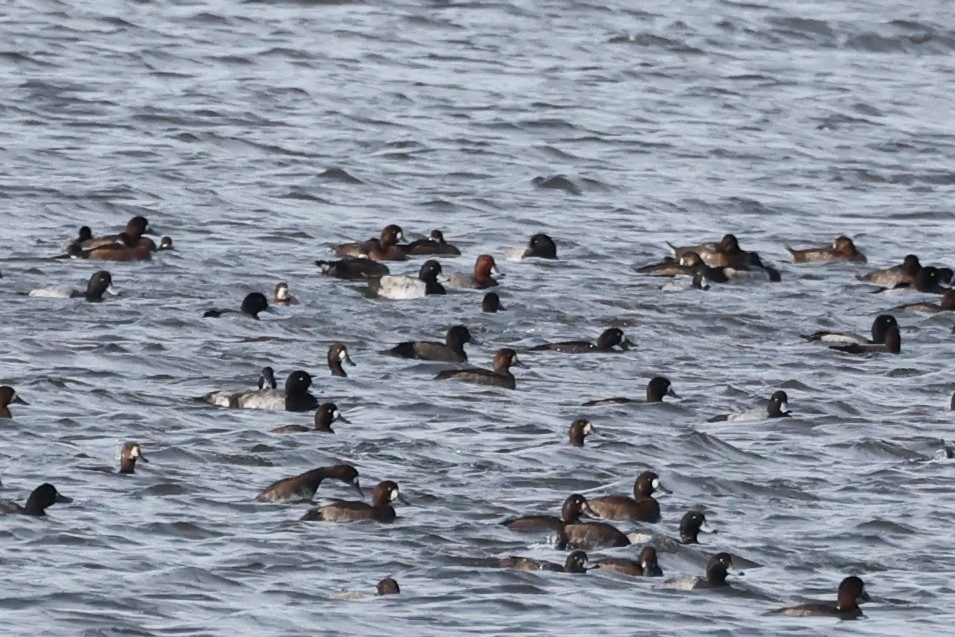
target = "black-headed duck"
x: 776, y: 407
x: 338, y: 354
x: 384, y: 248
x: 892, y: 345
x: 540, y: 246
x: 579, y: 430
x: 646, y: 564
x: 716, y: 571
x: 295, y: 397
x: 434, y: 244
x: 574, y: 506
x: 99, y: 284
x: 406, y: 287
x: 252, y: 305
x: 387, y: 586
x: 576, y: 562
x: 353, y: 268
x: 9, y: 396
x: 947, y: 304
x: 491, y: 303
x: 905, y: 272
x: 135, y: 229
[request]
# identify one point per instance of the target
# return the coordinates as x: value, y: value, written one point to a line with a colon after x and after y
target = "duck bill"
x: 340, y: 418
x: 784, y: 408
x: 62, y: 499
x: 357, y: 487
x: 673, y: 394
x: 496, y: 272
x: 586, y: 510
x: 111, y: 291
x: 400, y: 498
x: 142, y: 457
x: 517, y: 363
x: 349, y: 360
x: 706, y: 528
x: 18, y: 400
x: 864, y: 597
x: 626, y: 344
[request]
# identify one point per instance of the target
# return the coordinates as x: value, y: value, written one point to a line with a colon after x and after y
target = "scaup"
x: 646, y: 564
x: 43, y: 497
x: 406, y: 287
x: 608, y: 339
x: 905, y: 272
x: 657, y: 389
x: 282, y: 296
x: 776, y: 407
x: 540, y: 246
x: 385, y: 248
x: 491, y: 303
x: 325, y: 415
x: 380, y: 509
x: 880, y: 326
x: 434, y: 244
x: 947, y: 305
x: 451, y: 351
x: 576, y: 562
x: 500, y: 376
x: 642, y: 507
x: 574, y: 506
x: 99, y: 284
x: 295, y: 397
x: 387, y: 586
x: 716, y: 571
x: 691, y: 525
x: 353, y: 268
x: 130, y: 453
x: 304, y: 485
x: 579, y: 430
x: 338, y: 354
x: 9, y: 396
x: 851, y: 592
x: 252, y: 305
x: 135, y: 228
x: 892, y: 345
x: 842, y: 249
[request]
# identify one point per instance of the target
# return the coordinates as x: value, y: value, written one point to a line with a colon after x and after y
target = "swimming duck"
x: 385, y: 248
x: 406, y: 287
x: 776, y: 407
x: 282, y: 297
x: 491, y: 303
x: 642, y: 507
x: 304, y: 485
x: 43, y: 497
x: 541, y: 246
x: 892, y: 345
x: 325, y: 415
x: 610, y: 338
x: 252, y: 305
x: 576, y: 562
x: 451, y: 351
x: 842, y: 249
x: 8, y: 396
x: 851, y: 592
x: 434, y: 244
x: 657, y: 388
x: 296, y: 396
x: 947, y: 305
x: 380, y: 509
x: 338, y: 354
x: 353, y: 268
x: 574, y: 506
x: 646, y: 564
x: 482, y: 278
x: 500, y: 376
x: 579, y: 430
x: 880, y: 326
x: 716, y: 571
x: 905, y: 272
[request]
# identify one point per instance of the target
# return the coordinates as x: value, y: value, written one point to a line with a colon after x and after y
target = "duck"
x: 491, y: 303
x: 451, y: 351
x: 353, y: 268
x: 253, y: 304
x: 590, y: 536
x: 380, y: 509
x: 304, y: 485
x: 385, y: 248
x: 947, y: 304
x: 128, y: 249
x: 579, y: 430
x: 776, y: 407
x: 642, y: 507
x: 99, y: 284
x: 608, y: 339
x: 282, y: 296
x: 905, y: 272
x: 851, y: 591
x: 576, y: 562
x: 434, y: 244
x: 130, y: 453
x: 135, y: 228
x: 689, y: 264
x: 540, y: 246
x: 574, y: 506
x: 892, y: 345
x: 716, y: 571
x: 880, y: 326
x: 9, y: 396
x: 842, y: 249
x: 485, y: 269
x: 646, y: 564
x: 387, y: 586
x: 295, y: 397
x: 726, y: 253
x: 267, y: 378
x: 231, y: 398
x: 165, y: 244
x: 926, y: 281
x: 657, y: 389
x: 42, y: 498
x: 692, y: 524
x: 338, y: 354
x: 406, y: 287
x: 325, y: 415
x: 500, y: 376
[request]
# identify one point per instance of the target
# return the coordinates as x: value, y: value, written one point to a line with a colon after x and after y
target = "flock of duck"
x: 585, y: 524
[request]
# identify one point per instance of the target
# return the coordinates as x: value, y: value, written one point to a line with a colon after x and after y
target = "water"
x: 258, y: 133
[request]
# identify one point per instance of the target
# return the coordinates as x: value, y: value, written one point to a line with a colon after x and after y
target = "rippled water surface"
x: 256, y: 134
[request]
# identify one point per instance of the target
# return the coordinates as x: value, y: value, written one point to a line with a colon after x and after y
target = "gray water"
x: 256, y: 134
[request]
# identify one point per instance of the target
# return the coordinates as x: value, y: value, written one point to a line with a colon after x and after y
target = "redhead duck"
x: 500, y: 376
x: 851, y: 592
x: 380, y: 509
x: 482, y: 278
x: 842, y: 249
x: 434, y: 244
x: 385, y: 248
